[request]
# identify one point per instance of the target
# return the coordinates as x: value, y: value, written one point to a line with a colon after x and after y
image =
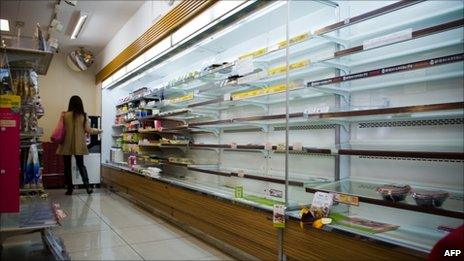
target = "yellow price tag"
x: 186, y: 97
x: 299, y: 64
x: 282, y: 44
x: 294, y: 40
x: 299, y: 38
x: 276, y: 88
x: 253, y: 54
x: 10, y: 101
x: 277, y: 70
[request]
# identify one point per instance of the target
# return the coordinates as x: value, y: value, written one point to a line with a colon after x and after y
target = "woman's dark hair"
x: 76, y: 106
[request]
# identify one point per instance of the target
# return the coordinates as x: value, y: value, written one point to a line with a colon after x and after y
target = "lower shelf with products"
x: 241, y: 223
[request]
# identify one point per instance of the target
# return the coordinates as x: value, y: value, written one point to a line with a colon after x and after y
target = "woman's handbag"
x: 60, y: 132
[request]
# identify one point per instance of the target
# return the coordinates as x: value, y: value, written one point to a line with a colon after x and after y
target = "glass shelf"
x: 366, y: 191
x: 418, y: 112
x: 295, y: 50
x: 37, y: 60
x: 248, y: 174
x: 396, y: 20
x: 219, y: 73
x: 216, y: 91
x: 299, y: 92
x: 413, y: 237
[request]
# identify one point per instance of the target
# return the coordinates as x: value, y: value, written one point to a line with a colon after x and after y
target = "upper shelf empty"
x: 19, y: 58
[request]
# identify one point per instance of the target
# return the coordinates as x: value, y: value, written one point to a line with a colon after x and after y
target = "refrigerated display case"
x: 285, y: 99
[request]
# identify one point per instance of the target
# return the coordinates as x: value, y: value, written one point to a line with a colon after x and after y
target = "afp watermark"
x: 452, y: 252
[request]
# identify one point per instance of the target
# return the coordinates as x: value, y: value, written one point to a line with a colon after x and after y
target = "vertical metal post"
x: 338, y: 106
x: 281, y: 230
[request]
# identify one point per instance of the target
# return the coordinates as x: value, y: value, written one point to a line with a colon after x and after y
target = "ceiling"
x: 105, y: 20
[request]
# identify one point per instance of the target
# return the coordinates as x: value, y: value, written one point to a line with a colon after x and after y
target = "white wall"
x: 59, y: 85
x: 140, y: 22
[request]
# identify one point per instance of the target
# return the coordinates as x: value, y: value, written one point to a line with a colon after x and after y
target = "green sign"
x: 239, y: 192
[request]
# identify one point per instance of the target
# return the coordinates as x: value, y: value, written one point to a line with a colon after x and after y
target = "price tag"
x: 276, y: 193
x: 268, y: 146
x: 300, y: 38
x: 319, y: 109
x: 241, y: 173
x: 297, y: 146
x: 10, y: 101
x: 238, y: 192
x: 299, y: 64
x: 346, y: 199
x: 253, y: 54
x: 227, y: 97
x: 281, y: 146
x: 277, y: 70
x: 278, y: 216
x: 233, y: 145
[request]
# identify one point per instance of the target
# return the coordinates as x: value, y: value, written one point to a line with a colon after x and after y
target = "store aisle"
x: 104, y: 226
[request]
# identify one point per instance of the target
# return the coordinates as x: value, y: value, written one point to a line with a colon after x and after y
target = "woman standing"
x: 76, y: 125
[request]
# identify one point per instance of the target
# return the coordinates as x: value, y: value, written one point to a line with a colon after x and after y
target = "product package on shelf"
x: 25, y: 85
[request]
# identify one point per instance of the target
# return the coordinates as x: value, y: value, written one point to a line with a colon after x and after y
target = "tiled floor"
x: 104, y: 226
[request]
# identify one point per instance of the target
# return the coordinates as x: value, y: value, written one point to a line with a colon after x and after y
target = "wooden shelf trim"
x: 366, y: 16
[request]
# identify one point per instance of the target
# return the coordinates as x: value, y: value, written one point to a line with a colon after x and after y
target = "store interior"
x: 272, y: 130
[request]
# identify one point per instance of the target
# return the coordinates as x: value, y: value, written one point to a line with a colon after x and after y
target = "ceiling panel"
x: 105, y: 20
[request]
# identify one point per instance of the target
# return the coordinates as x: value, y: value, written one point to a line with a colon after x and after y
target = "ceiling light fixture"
x: 78, y: 28
x: 4, y: 25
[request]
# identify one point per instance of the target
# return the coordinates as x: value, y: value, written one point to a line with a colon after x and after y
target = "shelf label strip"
x: 388, y: 70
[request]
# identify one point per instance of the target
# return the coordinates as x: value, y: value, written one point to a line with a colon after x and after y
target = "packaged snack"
x: 321, y: 205
x: 394, y: 192
x: 429, y: 197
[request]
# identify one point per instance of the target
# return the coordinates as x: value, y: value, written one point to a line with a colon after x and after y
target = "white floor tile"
x: 150, y: 233
x: 172, y: 249
x: 75, y: 225
x: 104, y: 226
x: 91, y: 240
x: 111, y: 253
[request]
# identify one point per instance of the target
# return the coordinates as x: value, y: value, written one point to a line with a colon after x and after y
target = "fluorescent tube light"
x: 4, y: 25
x: 78, y: 28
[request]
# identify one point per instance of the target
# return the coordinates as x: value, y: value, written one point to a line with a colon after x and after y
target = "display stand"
x: 36, y: 216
